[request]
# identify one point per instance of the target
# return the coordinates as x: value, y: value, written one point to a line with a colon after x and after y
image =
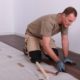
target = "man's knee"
x: 35, y: 56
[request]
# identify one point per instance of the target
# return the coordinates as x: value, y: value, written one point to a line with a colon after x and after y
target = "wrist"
x: 58, y: 61
x: 65, y: 57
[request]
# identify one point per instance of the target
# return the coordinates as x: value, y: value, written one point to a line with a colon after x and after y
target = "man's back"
x: 44, y: 26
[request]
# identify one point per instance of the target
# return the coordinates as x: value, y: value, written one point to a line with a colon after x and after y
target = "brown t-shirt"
x: 46, y: 26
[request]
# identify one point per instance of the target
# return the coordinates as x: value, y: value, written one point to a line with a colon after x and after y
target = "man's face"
x: 68, y: 20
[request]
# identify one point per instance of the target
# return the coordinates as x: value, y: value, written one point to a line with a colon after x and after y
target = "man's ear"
x: 64, y: 15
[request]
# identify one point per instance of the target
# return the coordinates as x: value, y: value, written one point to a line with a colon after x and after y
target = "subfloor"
x: 18, y: 43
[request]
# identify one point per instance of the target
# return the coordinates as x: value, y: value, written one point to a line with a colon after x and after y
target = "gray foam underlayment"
x: 14, y: 65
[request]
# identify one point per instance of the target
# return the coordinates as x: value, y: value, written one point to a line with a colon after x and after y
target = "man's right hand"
x: 60, y: 66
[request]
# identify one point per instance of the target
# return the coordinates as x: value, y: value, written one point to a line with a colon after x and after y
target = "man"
x: 39, y: 32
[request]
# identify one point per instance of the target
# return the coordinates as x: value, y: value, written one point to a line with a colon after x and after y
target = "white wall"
x: 6, y: 17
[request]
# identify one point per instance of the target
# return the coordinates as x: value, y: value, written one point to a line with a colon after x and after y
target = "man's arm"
x: 46, y: 47
x: 65, y: 45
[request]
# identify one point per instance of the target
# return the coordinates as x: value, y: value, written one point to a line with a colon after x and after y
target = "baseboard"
x: 19, y: 34
x: 7, y: 33
x: 12, y: 33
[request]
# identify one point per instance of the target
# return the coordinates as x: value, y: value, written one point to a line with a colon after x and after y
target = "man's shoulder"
x: 49, y: 16
x: 45, y: 18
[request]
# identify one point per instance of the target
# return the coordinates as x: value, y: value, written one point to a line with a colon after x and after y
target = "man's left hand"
x: 68, y: 61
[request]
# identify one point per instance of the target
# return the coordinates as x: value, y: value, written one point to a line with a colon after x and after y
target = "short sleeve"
x: 46, y: 28
x: 64, y: 30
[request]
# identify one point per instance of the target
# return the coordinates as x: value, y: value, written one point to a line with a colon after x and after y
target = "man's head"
x: 68, y: 16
